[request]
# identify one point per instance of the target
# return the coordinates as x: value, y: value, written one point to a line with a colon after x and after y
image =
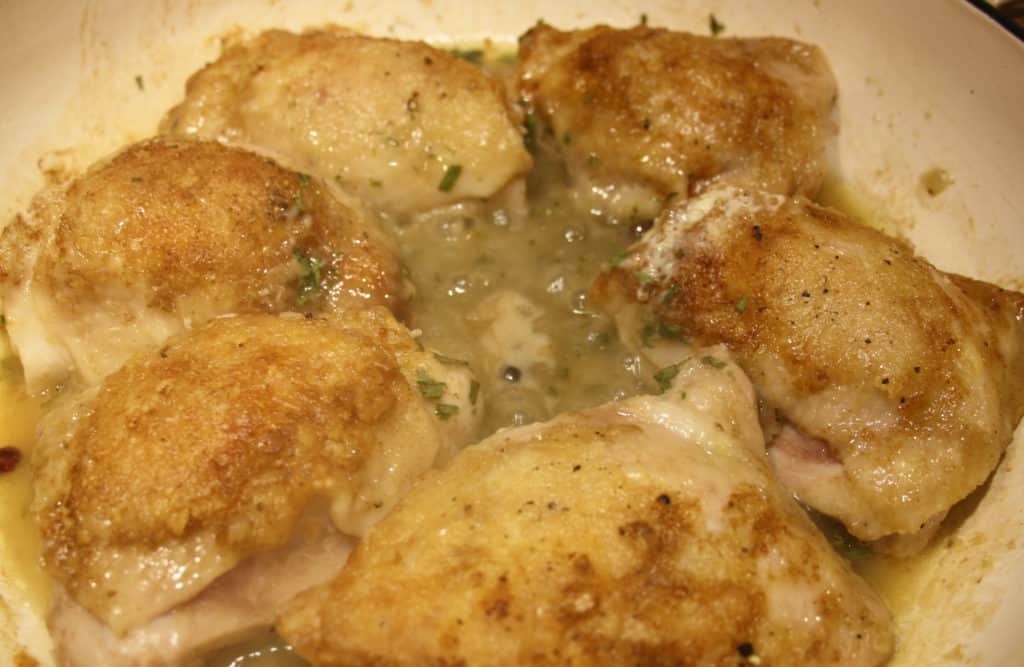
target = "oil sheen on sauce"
x: 505, y: 290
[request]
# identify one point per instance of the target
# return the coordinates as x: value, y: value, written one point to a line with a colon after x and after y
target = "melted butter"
x: 19, y: 537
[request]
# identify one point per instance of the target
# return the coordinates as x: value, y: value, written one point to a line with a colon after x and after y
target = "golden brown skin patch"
x: 911, y: 376
x: 644, y: 532
x: 383, y: 118
x: 672, y: 112
x: 170, y: 232
x: 191, y: 458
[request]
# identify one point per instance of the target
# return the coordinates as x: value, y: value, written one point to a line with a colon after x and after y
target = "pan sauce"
x: 520, y: 274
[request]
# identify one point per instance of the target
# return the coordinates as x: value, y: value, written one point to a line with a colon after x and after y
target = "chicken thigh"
x: 405, y: 126
x: 643, y: 113
x: 203, y: 484
x: 167, y: 234
x: 893, y: 387
x: 648, y: 531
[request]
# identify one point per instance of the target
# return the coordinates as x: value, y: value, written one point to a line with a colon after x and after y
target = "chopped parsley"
x: 303, y: 179
x: 450, y: 361
x: 671, y: 293
x: 530, y: 123
x: 714, y: 362
x: 429, y: 387
x: 445, y: 411
x: 475, y: 56
x: 741, y: 305
x: 474, y: 391
x: 665, y: 376
x: 567, y: 138
x: 299, y: 207
x: 310, y: 275
x: 375, y: 183
x: 717, y: 27
x: 617, y: 258
x: 451, y: 175
x: 139, y: 83
x: 593, y: 160
x: 643, y: 277
x: 682, y: 395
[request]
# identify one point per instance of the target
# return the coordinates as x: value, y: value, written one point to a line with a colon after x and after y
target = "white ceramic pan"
x: 924, y: 85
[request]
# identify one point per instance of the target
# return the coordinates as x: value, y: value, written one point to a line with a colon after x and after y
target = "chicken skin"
x: 648, y: 531
x: 405, y: 126
x: 167, y: 234
x: 202, y: 484
x: 893, y: 387
x: 643, y: 113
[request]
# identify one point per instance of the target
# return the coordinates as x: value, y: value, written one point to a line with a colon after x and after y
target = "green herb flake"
x: 617, y: 258
x: 530, y: 124
x: 682, y: 395
x: 451, y: 175
x: 445, y: 411
x: 429, y: 387
x: 714, y: 362
x: 717, y: 27
x: 567, y: 138
x: 391, y: 141
x: 741, y: 305
x: 643, y: 277
x: 310, y: 275
x: 648, y: 334
x: 375, y: 183
x: 299, y: 206
x: 475, y: 56
x: 850, y: 547
x: 671, y: 293
x: 593, y: 160
x: 665, y: 376
x: 670, y: 331
x: 450, y: 361
x: 139, y: 82
x: 643, y: 19
x: 474, y: 391
x: 303, y: 179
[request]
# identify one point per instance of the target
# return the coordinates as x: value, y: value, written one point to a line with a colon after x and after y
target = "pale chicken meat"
x: 167, y: 234
x: 644, y: 113
x: 203, y: 484
x: 648, y: 531
x: 893, y: 387
x: 404, y: 125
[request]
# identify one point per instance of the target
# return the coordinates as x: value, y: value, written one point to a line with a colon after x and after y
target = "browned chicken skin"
x: 165, y: 235
x: 898, y: 385
x: 195, y: 460
x: 649, y: 531
x: 385, y: 119
x: 642, y: 113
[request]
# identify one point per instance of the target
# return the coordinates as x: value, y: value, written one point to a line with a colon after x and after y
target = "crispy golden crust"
x: 913, y: 377
x: 595, y: 539
x: 199, y: 227
x: 214, y: 445
x: 387, y: 117
x: 675, y: 112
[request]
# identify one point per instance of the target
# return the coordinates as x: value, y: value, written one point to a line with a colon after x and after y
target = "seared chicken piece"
x: 648, y: 531
x: 896, y: 386
x: 404, y: 125
x: 205, y: 483
x: 167, y: 234
x: 643, y: 113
